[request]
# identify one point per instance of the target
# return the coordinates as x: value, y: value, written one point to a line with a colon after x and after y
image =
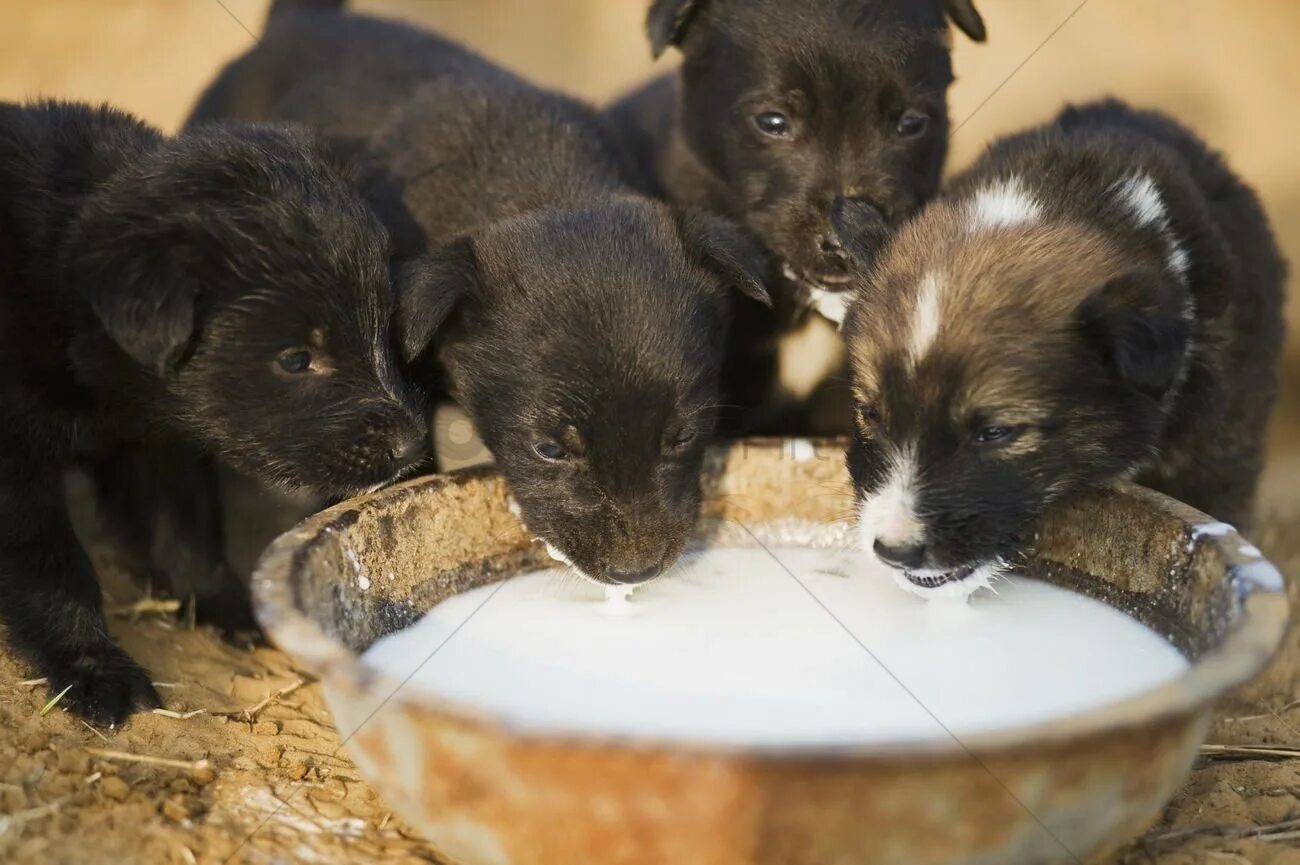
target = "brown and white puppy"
x: 782, y: 113
x: 1096, y: 299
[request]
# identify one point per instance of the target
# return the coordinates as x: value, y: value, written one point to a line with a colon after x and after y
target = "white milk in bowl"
x: 786, y: 646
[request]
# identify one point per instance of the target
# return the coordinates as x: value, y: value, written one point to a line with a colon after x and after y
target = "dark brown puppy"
x: 580, y: 324
x: 1096, y: 299
x: 784, y: 113
x: 220, y: 294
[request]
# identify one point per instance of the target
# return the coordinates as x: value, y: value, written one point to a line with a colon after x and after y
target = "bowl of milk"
x: 774, y: 697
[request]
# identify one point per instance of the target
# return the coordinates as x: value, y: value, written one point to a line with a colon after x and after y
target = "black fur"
x: 281, y: 8
x: 149, y: 289
x: 845, y: 74
x: 1103, y: 344
x: 579, y: 323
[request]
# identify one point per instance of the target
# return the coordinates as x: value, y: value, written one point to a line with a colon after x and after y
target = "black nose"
x: 412, y: 450
x: 829, y: 244
x: 632, y: 578
x: 859, y: 228
x: 907, y: 557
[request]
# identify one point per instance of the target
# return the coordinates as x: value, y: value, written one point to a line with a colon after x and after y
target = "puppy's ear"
x: 967, y: 18
x: 1138, y: 325
x: 429, y: 289
x: 140, y: 290
x: 860, y: 228
x: 667, y: 22
x: 727, y: 250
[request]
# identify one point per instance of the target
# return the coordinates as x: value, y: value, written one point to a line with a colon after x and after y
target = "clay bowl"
x: 485, y: 794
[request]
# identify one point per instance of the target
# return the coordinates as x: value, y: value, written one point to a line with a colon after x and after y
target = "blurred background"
x: 1228, y: 68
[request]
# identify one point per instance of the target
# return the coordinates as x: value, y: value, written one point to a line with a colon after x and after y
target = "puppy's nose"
x: 858, y: 227
x: 904, y: 556
x: 632, y: 578
x: 412, y: 450
x: 829, y: 244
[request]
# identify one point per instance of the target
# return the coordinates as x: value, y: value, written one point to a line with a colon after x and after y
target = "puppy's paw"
x: 103, y: 684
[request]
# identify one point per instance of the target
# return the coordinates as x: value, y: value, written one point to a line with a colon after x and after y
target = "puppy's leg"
x: 163, y: 507
x: 50, y: 600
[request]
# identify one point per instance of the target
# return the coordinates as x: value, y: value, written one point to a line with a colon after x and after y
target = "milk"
x: 794, y: 647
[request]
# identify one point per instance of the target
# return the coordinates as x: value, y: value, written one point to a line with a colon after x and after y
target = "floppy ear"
x: 1137, y: 324
x: 727, y: 250
x: 138, y: 287
x: 667, y: 22
x: 861, y: 230
x: 967, y: 19
x: 429, y: 289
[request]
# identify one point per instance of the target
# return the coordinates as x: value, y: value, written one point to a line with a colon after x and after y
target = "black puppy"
x: 1096, y: 299
x: 783, y: 113
x: 222, y: 293
x: 580, y: 324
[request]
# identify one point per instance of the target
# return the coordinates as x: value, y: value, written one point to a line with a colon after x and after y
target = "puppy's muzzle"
x: 412, y: 450
x: 858, y: 231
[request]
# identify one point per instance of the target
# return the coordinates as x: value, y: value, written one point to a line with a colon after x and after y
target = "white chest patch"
x: 830, y: 305
x: 1003, y: 204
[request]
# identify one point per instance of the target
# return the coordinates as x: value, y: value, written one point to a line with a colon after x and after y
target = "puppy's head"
x: 1001, y: 359
x: 804, y: 108
x: 587, y: 347
x: 239, y: 273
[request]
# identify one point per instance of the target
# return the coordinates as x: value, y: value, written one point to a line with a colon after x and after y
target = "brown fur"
x: 1103, y: 340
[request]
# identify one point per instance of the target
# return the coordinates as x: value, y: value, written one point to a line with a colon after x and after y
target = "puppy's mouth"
x: 931, y: 580
x: 956, y: 585
x: 812, y: 282
x: 426, y: 466
x: 828, y: 293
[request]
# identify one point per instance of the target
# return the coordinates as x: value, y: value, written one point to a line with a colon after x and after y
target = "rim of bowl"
x: 1248, y: 646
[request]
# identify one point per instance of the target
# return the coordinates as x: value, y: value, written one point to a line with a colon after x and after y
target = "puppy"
x: 1096, y: 299
x: 581, y: 325
x: 783, y: 113
x: 223, y: 293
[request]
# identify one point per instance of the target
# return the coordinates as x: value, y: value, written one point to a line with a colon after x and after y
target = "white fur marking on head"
x: 1141, y: 196
x: 1179, y: 261
x: 1004, y: 204
x: 925, y: 318
x: 889, y: 515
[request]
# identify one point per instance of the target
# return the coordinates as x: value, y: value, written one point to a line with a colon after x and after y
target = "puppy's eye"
x: 1001, y: 435
x: 868, y: 416
x: 773, y: 123
x: 294, y: 361
x: 679, y: 439
x: 912, y: 124
x: 551, y: 451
